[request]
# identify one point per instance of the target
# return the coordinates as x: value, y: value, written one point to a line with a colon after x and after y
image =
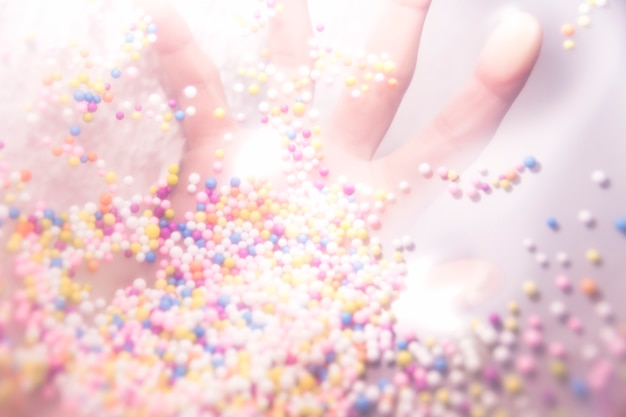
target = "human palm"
x: 357, y: 125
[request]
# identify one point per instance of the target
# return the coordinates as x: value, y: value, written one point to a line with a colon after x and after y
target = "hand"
x: 358, y: 125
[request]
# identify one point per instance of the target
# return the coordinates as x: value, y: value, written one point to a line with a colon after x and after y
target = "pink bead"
x: 563, y: 283
x: 533, y: 338
x: 324, y: 171
x: 443, y: 173
x: 400, y: 379
x: 119, y: 115
x: 525, y: 365
x: 534, y: 321
x: 454, y: 189
x: 574, y: 324
x: 557, y: 350
x: 348, y: 189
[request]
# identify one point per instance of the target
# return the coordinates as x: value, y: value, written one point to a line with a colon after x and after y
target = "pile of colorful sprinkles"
x: 264, y: 301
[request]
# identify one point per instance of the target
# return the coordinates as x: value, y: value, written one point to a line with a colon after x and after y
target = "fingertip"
x: 510, y: 53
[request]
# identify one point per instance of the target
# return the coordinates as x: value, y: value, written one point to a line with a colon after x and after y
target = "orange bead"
x: 567, y: 29
x: 105, y: 199
x: 57, y: 150
x: 589, y: 287
x: 93, y: 265
x: 25, y: 175
x: 92, y: 156
x: 107, y: 97
x: 70, y: 139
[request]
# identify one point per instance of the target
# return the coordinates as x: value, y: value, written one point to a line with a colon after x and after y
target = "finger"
x: 185, y: 64
x: 288, y: 40
x: 397, y: 32
x: 467, y: 124
x: 289, y: 34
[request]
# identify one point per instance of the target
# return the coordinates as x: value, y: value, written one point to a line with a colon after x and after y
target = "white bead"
x: 425, y: 169
x: 585, y: 217
x: 190, y: 91
x: 600, y: 178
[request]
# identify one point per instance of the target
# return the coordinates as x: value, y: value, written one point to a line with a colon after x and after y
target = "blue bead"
x: 247, y: 316
x: 346, y: 318
x: 129, y: 37
x: 14, y: 213
x: 79, y: 95
x: 200, y: 243
x: 235, y: 182
x: 97, y: 99
x: 530, y: 162
x: 185, y: 292
x: 362, y: 404
x: 56, y: 263
x: 235, y: 238
x: 552, y: 223
x: 150, y: 257
x: 152, y: 28
x: 166, y: 303
x: 441, y: 364
x: 179, y: 115
x: 402, y: 344
x: 218, y: 258
x: 75, y: 130
x: 223, y: 300
x: 84, y: 159
x: 59, y: 304
x: 210, y: 183
x: 620, y: 225
x: 578, y: 387
x: 116, y: 73
x: 357, y: 266
x: 198, y: 331
x: 89, y: 96
x: 179, y: 371
x: 273, y: 238
x: 163, y: 223
x: 251, y: 250
x: 217, y: 362
x: 292, y: 134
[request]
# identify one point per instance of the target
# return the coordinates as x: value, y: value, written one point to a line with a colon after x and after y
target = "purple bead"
x: 490, y: 375
x: 494, y: 319
x: 134, y: 208
x: 162, y: 193
x: 159, y: 212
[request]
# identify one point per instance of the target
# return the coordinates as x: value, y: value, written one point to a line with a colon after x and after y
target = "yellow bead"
x: 299, y: 109
x: 173, y: 169
x: 403, y: 358
x: 350, y: 81
x: 512, y: 384
x: 219, y: 113
x: 172, y: 179
x: 530, y: 288
x: 558, y: 369
x: 389, y: 67
x: 88, y: 117
x: 568, y: 44
x: 110, y: 177
x: 593, y: 256
x: 253, y: 89
x: 153, y: 231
